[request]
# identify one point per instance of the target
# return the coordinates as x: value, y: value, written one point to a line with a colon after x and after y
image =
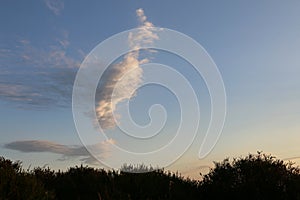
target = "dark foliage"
x: 18, y: 184
x: 253, y: 177
x: 258, y: 176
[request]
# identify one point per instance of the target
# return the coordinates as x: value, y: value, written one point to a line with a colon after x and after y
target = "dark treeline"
x: 257, y: 176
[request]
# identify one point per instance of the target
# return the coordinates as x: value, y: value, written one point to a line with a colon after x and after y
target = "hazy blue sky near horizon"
x: 255, y: 45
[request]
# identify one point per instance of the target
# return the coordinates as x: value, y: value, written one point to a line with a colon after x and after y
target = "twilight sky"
x: 255, y: 45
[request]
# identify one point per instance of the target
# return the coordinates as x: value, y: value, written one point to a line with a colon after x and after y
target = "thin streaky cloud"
x: 292, y: 158
x: 56, y: 6
x: 66, y: 151
x: 14, y: 92
x: 33, y: 77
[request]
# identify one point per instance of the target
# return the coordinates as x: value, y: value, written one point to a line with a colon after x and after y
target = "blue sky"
x: 255, y: 45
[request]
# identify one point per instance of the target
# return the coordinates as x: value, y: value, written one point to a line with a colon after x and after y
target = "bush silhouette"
x: 15, y: 183
x: 257, y: 176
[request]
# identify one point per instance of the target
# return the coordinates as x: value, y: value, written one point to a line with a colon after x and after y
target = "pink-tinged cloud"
x: 115, y: 86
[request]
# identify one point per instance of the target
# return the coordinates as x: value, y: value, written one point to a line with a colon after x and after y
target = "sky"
x: 44, y: 44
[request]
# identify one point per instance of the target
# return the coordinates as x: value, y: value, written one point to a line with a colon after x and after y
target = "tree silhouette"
x: 258, y: 176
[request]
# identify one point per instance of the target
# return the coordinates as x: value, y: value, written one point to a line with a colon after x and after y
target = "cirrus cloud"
x: 33, y: 77
x: 56, y: 6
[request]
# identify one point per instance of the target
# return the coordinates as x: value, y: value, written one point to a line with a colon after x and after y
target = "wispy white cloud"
x: 66, y: 151
x: 54, y: 56
x: 56, y: 6
x: 32, y: 77
x: 124, y: 87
